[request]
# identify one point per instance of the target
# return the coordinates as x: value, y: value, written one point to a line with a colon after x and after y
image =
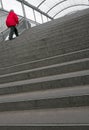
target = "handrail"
x: 7, y: 28
x: 4, y: 32
x: 21, y: 26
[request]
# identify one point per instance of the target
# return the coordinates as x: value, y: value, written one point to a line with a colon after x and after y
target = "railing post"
x: 42, y: 18
x: 1, y: 4
x: 24, y: 14
x: 2, y: 36
x: 34, y: 15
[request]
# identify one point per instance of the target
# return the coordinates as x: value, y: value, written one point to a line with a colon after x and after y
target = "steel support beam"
x: 24, y: 13
x: 70, y: 7
x: 42, y: 18
x: 41, y: 3
x: 1, y: 4
x: 35, y: 8
x: 56, y: 5
x: 34, y: 15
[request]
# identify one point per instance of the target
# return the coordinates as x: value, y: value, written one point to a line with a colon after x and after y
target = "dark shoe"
x: 12, y: 39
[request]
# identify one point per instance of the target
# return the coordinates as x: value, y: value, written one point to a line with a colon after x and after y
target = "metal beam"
x: 35, y: 8
x: 24, y: 14
x: 56, y: 5
x: 69, y: 7
x: 41, y: 3
x: 1, y: 4
x: 34, y: 15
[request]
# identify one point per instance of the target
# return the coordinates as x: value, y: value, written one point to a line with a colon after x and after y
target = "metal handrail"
x: 4, y: 32
x: 21, y: 20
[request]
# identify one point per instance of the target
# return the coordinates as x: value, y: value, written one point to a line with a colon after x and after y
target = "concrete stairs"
x: 44, y: 76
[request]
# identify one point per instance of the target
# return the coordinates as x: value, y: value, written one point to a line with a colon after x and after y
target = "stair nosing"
x: 46, y: 67
x: 48, y: 94
x: 46, y: 78
x: 34, y: 61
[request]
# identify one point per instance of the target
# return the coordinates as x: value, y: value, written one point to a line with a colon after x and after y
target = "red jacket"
x: 12, y: 19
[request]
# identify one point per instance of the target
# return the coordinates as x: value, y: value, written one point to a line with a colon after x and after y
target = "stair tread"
x: 47, y: 78
x: 46, y: 67
x: 63, y: 116
x: 47, y: 94
x: 69, y: 57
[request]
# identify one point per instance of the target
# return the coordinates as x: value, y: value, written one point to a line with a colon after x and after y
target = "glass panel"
x: 64, y: 5
x: 33, y: 24
x: 2, y: 20
x: 13, y: 4
x: 69, y: 11
x: 56, y: 9
x: 34, y: 2
x: 44, y: 19
x: 0, y: 5
x: 38, y: 17
x: 48, y: 4
x: 29, y: 13
x: 49, y: 19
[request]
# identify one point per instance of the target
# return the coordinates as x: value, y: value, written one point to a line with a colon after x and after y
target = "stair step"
x: 15, y: 58
x: 57, y: 98
x: 44, y: 83
x: 47, y: 94
x: 45, y: 127
x: 65, y: 117
x: 4, y: 69
x: 45, y: 43
x: 65, y: 68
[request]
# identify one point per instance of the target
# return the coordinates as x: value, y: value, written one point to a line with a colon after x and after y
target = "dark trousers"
x: 13, y: 30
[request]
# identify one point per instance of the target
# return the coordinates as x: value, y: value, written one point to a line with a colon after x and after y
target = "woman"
x: 11, y: 22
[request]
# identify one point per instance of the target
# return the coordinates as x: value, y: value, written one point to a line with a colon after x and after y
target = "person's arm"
x: 16, y: 18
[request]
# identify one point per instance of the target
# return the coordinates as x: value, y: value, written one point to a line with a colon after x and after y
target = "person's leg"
x: 11, y: 33
x: 16, y: 31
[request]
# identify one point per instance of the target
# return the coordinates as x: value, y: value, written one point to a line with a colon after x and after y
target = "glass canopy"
x: 42, y: 11
x: 58, y: 8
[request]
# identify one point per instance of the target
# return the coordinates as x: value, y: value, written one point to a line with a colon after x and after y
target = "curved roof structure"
x: 42, y: 11
x: 36, y: 12
x: 57, y: 8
